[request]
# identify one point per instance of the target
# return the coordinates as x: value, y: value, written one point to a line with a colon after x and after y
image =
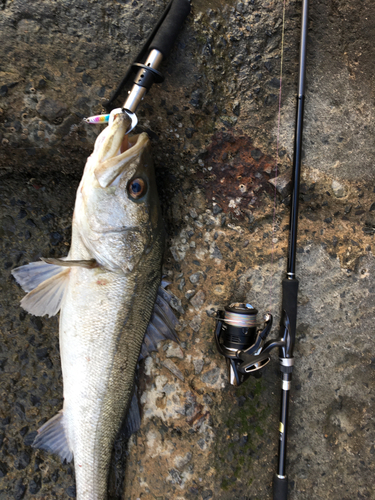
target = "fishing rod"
x: 246, y: 350
x: 158, y: 45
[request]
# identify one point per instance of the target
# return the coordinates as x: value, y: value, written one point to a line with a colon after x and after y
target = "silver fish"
x: 108, y: 293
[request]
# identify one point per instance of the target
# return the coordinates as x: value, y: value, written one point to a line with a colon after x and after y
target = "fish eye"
x: 137, y: 188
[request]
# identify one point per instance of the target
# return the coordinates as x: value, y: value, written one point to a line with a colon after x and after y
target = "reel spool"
x: 236, y: 335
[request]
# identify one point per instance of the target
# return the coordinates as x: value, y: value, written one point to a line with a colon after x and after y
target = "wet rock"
x: 7, y: 226
x: 42, y: 353
x: 202, y: 444
x: 30, y: 223
x: 55, y: 476
x: 236, y: 108
x: 35, y: 485
x: 196, y: 98
x: 51, y: 110
x: 338, y: 189
x: 181, y: 461
x: 198, y: 366
x: 216, y: 254
x: 228, y: 121
x: 256, y: 154
x: 41, y: 84
x: 189, y: 132
x: 189, y: 294
x: 198, y: 300
x: 3, y: 90
x: 193, y: 213
x: 55, y: 238
x: 174, y: 477
x: 3, y: 470
x: 196, y: 277
x: 71, y: 491
x: 19, y: 410
x: 283, y: 184
x: 22, y: 461
x: 174, y: 351
x: 181, y: 284
x: 22, y: 214
x: 19, y: 490
x: 173, y: 369
x: 175, y: 303
x: 37, y: 323
x: 211, y: 377
x: 216, y: 209
x: 47, y: 218
x: 195, y: 323
x: 24, y: 430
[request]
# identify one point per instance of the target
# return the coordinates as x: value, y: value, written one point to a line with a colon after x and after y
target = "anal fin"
x: 162, y: 324
x: 133, y: 418
x: 52, y: 437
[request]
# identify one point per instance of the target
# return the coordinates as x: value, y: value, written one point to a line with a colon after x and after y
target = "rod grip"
x: 171, y: 27
x: 290, y: 294
x: 280, y: 488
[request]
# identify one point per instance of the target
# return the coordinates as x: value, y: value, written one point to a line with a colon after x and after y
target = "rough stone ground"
x: 213, y: 124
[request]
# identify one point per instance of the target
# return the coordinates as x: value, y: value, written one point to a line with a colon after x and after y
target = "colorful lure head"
x: 97, y: 119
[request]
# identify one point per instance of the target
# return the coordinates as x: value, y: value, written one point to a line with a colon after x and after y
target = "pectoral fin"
x: 33, y: 274
x: 47, y: 296
x: 46, y: 282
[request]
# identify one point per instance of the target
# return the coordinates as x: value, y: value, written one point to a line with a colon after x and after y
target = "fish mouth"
x: 118, y: 150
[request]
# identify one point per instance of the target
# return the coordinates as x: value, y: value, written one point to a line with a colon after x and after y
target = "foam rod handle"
x: 280, y: 488
x: 168, y: 31
x: 290, y: 293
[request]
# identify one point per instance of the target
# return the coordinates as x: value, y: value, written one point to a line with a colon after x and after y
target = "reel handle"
x: 280, y: 488
x: 171, y: 27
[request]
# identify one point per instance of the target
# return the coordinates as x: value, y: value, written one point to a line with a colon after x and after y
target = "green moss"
x: 224, y: 484
x: 244, y: 416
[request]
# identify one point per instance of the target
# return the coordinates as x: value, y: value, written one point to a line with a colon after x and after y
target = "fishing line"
x: 277, y: 159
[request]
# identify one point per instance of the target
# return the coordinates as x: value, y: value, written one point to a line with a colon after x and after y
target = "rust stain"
x: 237, y: 173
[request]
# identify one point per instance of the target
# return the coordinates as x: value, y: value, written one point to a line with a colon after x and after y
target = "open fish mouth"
x: 117, y: 150
x: 114, y: 136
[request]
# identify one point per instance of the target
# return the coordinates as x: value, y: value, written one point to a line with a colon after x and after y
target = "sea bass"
x: 109, y: 296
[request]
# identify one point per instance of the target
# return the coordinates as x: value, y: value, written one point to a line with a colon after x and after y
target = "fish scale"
x: 105, y: 290
x: 98, y: 389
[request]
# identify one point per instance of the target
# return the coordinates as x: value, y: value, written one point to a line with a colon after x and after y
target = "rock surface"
x: 214, y: 128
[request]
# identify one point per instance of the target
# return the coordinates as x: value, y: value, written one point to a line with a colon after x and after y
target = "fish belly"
x: 103, y: 320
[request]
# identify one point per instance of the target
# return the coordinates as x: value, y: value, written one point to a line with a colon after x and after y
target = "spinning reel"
x: 245, y: 349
